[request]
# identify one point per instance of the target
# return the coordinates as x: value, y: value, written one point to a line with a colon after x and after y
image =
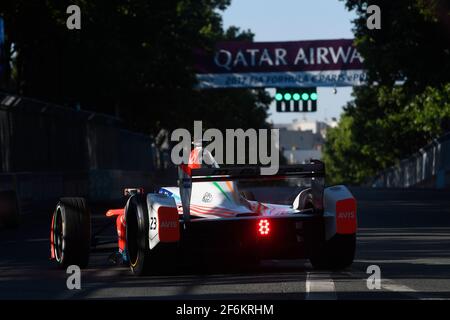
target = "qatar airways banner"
x: 313, y: 63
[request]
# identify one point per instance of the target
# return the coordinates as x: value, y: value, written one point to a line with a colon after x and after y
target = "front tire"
x: 336, y: 253
x: 71, y: 232
x: 137, y: 242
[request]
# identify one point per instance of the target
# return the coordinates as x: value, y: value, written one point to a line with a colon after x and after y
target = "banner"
x: 312, y: 63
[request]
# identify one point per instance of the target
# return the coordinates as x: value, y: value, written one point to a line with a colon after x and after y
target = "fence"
x: 430, y: 167
x: 48, y: 151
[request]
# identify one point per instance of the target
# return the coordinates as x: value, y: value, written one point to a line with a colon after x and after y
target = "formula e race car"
x: 214, y: 213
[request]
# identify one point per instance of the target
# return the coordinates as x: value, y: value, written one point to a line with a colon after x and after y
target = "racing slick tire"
x: 137, y: 227
x: 9, y: 210
x: 71, y: 232
x: 336, y: 253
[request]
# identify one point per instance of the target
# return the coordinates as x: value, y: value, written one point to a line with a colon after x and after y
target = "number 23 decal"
x: 152, y: 223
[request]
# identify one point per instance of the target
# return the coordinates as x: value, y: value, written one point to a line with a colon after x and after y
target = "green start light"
x: 305, y: 96
x: 296, y: 96
x: 287, y: 96
x: 278, y: 97
x: 313, y: 96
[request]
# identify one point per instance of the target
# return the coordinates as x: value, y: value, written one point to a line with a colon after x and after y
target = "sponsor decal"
x: 168, y: 225
x: 244, y: 64
x: 346, y: 216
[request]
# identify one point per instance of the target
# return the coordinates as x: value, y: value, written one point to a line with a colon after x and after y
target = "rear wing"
x: 314, y: 170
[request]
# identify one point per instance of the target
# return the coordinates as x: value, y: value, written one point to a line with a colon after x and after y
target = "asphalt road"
x: 404, y: 232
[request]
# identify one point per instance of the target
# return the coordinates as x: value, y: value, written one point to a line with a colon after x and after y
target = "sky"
x: 288, y: 20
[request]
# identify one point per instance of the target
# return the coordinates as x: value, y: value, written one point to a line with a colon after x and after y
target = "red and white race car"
x: 209, y: 214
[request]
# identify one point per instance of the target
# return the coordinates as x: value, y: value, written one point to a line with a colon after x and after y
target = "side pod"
x: 339, y: 211
x: 164, y: 222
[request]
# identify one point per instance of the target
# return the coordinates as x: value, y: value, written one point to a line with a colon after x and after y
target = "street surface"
x: 405, y: 232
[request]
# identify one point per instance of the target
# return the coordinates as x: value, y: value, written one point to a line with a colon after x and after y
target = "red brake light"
x: 264, y: 227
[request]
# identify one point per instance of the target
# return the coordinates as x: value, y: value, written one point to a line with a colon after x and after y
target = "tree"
x: 412, y: 44
x: 388, y: 121
x: 132, y: 59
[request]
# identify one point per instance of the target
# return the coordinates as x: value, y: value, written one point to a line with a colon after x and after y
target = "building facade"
x: 301, y: 141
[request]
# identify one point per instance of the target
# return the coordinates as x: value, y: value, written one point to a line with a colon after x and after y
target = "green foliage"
x: 387, y: 122
x: 413, y: 43
x: 133, y: 59
x: 382, y: 126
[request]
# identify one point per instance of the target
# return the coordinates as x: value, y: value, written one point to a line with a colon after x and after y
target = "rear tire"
x: 71, y: 232
x: 137, y: 242
x: 336, y: 253
x: 9, y: 210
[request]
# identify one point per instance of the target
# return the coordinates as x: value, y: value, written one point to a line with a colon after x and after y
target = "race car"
x: 208, y: 213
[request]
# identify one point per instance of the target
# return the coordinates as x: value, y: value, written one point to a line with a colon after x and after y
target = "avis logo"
x: 169, y: 224
x: 346, y: 215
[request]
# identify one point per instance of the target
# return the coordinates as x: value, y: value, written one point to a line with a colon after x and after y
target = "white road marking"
x: 390, y: 286
x: 320, y: 287
x: 412, y: 293
x: 386, y: 284
x: 434, y: 261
